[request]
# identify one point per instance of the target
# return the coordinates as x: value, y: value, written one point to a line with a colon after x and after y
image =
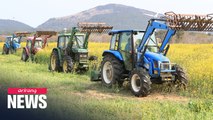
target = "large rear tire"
x: 140, y: 82
x: 181, y: 80
x: 5, y: 50
x: 111, y: 71
x: 24, y: 56
x: 54, y: 62
x: 67, y: 64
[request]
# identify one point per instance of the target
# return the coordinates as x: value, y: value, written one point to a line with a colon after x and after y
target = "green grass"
x: 72, y: 96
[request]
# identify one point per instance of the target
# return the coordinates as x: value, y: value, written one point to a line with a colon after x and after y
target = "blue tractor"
x: 137, y: 56
x: 12, y: 43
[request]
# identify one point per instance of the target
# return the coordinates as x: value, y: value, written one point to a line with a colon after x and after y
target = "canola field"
x: 196, y: 59
x: 89, y: 98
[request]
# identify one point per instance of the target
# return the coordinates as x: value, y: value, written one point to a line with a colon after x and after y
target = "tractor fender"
x: 28, y: 52
x: 7, y: 45
x: 16, y: 45
x: 116, y: 54
x: 59, y: 54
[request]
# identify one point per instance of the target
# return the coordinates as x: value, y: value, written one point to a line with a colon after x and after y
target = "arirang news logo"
x: 27, y: 98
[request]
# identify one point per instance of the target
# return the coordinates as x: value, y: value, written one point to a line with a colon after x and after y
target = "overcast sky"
x: 36, y: 12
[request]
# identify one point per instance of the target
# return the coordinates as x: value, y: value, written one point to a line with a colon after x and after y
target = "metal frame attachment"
x: 189, y: 22
x: 93, y: 27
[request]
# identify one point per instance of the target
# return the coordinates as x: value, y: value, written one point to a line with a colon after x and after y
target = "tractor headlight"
x: 83, y: 55
x: 146, y: 65
x: 165, y: 66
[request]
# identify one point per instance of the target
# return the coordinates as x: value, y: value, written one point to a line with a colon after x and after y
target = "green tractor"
x: 71, y: 53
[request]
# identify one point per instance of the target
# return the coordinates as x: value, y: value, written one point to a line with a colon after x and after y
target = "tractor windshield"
x: 154, y: 40
x: 79, y: 41
x: 38, y: 44
x: 137, y: 37
x: 152, y: 44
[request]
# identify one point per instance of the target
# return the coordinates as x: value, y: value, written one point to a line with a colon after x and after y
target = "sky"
x: 36, y: 12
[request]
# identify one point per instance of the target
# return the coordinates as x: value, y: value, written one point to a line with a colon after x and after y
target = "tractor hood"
x: 37, y: 50
x: 156, y: 56
x: 79, y: 50
x: 16, y: 45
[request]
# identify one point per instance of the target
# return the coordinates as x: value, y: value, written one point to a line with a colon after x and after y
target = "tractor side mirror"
x: 135, y: 33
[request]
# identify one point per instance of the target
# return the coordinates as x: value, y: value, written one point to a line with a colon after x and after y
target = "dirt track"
x: 151, y: 97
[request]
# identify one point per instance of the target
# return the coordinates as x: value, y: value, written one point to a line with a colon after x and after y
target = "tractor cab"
x: 74, y: 46
x: 79, y: 50
x: 38, y: 43
x: 77, y: 42
x: 125, y: 42
x: 35, y: 44
x: 13, y: 41
x: 9, y: 39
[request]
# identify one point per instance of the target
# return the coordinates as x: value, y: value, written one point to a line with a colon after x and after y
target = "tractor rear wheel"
x: 111, y: 71
x: 5, y: 50
x: 181, y: 80
x: 67, y: 64
x: 54, y: 61
x: 24, y: 55
x: 140, y: 82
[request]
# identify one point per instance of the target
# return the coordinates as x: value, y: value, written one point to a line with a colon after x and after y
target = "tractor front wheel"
x: 181, y: 80
x: 111, y: 71
x: 54, y: 62
x: 24, y: 55
x: 11, y: 51
x: 140, y: 82
x: 67, y: 64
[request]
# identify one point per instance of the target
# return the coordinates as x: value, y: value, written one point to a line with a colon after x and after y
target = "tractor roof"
x: 120, y: 31
x: 31, y: 38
